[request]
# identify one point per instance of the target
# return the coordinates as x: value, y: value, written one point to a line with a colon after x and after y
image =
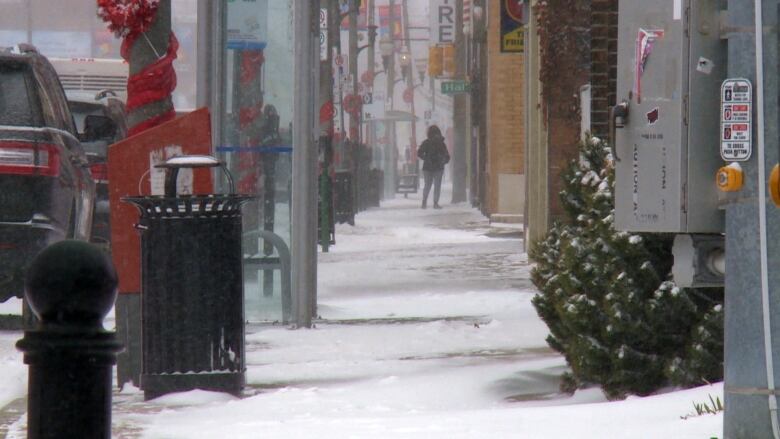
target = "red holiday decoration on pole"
x: 327, y: 111
x: 129, y: 19
x: 367, y: 78
x: 155, y: 82
x: 352, y: 103
x: 408, y: 95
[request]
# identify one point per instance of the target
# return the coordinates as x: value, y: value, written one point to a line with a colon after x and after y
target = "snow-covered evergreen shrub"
x: 608, y: 300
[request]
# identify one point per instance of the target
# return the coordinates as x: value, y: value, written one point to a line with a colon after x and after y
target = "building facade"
x: 498, y: 184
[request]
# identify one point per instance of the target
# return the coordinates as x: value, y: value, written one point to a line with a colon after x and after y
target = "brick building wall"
x: 603, y: 76
x: 596, y: 64
x: 563, y: 138
x: 567, y: 71
x: 505, y: 127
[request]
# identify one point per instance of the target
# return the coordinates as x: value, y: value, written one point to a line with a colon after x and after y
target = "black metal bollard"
x: 70, y: 286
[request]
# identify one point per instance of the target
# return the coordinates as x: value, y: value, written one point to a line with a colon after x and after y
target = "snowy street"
x: 425, y: 330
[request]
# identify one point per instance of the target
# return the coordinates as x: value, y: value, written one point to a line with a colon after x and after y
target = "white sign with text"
x: 736, y: 109
x: 442, y: 16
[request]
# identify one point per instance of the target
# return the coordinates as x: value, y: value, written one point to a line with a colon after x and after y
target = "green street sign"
x: 455, y: 87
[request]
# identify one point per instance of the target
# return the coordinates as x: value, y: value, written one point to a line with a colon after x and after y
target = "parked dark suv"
x: 46, y: 191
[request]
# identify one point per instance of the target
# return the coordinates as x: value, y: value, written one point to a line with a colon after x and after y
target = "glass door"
x: 255, y: 140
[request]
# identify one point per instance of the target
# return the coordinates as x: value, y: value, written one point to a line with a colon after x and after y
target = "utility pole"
x: 371, y: 61
x: 328, y: 14
x: 391, y: 153
x: 433, y: 94
x: 354, y: 122
x: 304, y: 183
x: 752, y: 297
x: 146, y: 49
x: 334, y: 30
x: 354, y: 126
x: 410, y: 83
x: 460, y: 109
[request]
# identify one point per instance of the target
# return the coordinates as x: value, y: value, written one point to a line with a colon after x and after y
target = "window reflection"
x: 257, y: 139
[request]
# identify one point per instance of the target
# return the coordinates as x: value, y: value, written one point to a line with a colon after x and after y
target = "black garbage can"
x: 192, y: 298
x: 343, y: 198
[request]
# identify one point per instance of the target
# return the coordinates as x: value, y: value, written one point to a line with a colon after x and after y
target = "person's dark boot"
x: 436, y: 206
x: 424, y: 206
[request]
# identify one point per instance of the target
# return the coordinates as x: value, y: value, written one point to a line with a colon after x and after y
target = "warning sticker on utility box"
x: 736, y: 109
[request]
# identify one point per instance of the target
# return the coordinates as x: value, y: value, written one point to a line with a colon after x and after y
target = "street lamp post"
x: 387, y: 48
x: 353, y: 12
x: 405, y: 60
x: 371, y: 40
x: 372, y: 31
x: 460, y: 116
x: 304, y: 201
x: 478, y: 153
x: 422, y: 65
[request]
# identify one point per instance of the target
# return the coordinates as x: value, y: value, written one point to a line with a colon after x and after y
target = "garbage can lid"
x: 190, y: 161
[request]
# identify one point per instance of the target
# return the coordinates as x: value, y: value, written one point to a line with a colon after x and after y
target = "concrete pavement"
x: 425, y: 294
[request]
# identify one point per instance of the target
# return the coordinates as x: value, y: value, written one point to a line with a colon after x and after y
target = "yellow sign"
x: 513, y: 41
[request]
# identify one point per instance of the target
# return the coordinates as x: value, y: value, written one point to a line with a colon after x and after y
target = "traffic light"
x: 435, y: 54
x: 448, y: 60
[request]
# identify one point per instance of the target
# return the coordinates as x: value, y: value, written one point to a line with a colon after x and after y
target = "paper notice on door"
x: 645, y: 42
x: 677, y: 13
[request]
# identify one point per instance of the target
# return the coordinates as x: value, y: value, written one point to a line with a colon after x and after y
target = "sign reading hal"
x: 455, y: 87
x: 514, y: 14
x: 442, y: 15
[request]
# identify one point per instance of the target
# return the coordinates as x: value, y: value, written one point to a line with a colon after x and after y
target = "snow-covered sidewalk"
x: 426, y: 330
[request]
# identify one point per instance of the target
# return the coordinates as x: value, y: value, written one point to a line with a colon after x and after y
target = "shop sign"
x: 514, y: 14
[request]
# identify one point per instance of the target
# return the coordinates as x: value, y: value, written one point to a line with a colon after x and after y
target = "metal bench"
x: 407, y: 184
x: 260, y: 261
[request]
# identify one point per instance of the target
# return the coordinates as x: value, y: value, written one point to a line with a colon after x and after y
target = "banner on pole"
x: 514, y: 14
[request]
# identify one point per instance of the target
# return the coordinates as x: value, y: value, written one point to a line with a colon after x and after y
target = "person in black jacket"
x: 433, y: 152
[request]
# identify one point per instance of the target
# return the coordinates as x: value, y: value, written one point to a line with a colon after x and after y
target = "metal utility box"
x: 671, y: 62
